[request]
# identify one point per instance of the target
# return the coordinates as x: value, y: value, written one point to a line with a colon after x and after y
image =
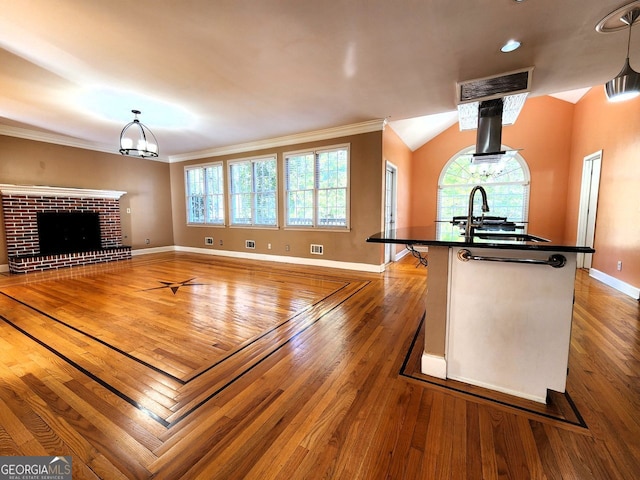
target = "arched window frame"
x: 444, y: 214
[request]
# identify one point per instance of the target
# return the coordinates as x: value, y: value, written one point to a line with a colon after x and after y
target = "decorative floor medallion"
x: 174, y: 286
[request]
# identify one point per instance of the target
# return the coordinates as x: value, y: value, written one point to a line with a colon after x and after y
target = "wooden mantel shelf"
x: 45, y: 191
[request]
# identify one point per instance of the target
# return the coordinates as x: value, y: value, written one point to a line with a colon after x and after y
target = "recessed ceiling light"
x: 510, y: 46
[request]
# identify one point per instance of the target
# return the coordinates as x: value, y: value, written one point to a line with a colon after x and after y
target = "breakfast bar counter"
x: 499, y: 307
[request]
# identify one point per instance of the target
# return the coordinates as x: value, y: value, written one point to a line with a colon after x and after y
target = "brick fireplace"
x: 21, y: 205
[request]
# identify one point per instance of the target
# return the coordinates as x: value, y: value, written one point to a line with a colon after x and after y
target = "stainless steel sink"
x: 512, y: 237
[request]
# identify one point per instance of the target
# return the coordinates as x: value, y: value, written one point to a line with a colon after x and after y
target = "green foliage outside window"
x: 507, y: 191
x: 317, y: 188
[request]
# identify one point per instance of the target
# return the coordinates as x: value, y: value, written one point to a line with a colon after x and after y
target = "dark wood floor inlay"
x: 191, y: 350
x: 559, y: 406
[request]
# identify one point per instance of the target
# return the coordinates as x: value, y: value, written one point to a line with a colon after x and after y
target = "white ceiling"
x: 417, y: 131
x: 210, y: 74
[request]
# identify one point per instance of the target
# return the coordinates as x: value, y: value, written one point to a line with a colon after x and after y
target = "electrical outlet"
x: 268, y: 246
x: 619, y: 265
x: 250, y: 243
x: 208, y: 240
x: 286, y: 248
x: 147, y: 241
x: 220, y: 242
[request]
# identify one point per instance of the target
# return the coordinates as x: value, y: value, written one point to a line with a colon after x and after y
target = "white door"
x: 588, y: 205
x: 390, y: 209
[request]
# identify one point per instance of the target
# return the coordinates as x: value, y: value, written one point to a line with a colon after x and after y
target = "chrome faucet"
x: 468, y: 230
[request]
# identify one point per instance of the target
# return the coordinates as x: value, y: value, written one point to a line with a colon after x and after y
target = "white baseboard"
x: 633, y: 292
x: 433, y: 365
x: 401, y: 255
x: 145, y: 251
x: 362, y: 267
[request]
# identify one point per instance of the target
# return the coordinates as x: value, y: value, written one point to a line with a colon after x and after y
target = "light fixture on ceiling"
x: 481, y: 170
x: 510, y: 46
x: 626, y: 84
x: 136, y: 140
x: 486, y: 168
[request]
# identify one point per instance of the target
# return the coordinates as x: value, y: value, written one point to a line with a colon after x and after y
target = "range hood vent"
x: 497, y: 86
x: 489, y: 138
x: 487, y: 104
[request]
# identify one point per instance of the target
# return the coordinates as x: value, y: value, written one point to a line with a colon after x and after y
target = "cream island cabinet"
x: 498, y: 308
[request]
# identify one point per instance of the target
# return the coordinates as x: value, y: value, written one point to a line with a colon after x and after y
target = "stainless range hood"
x: 489, y: 137
x: 489, y: 103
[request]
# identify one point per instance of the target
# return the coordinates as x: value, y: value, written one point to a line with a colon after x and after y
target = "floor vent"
x: 317, y: 249
x: 250, y: 243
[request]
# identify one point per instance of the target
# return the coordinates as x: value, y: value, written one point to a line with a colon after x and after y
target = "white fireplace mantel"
x: 45, y: 191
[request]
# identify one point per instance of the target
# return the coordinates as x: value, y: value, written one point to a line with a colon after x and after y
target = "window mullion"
x: 252, y: 193
x: 316, y: 184
x: 205, y: 194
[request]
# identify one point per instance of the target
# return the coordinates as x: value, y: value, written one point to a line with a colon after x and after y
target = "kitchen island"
x: 498, y: 306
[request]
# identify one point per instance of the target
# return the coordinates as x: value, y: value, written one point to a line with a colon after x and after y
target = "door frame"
x: 390, y: 206
x: 591, y: 169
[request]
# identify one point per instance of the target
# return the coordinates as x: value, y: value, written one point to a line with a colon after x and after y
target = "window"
x: 205, y: 194
x: 507, y: 189
x: 253, y: 192
x: 317, y: 188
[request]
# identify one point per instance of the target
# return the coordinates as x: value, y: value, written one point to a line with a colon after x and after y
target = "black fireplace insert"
x: 68, y: 232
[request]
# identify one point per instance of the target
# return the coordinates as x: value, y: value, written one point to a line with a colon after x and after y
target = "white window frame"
x: 220, y: 196
x: 315, y: 225
x: 252, y: 161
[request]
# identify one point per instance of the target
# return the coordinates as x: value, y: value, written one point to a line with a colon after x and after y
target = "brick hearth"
x: 20, y: 207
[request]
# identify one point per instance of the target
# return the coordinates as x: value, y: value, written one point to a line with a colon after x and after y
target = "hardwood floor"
x: 177, y: 365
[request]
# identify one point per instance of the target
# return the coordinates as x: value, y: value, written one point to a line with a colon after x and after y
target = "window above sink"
x: 508, y: 193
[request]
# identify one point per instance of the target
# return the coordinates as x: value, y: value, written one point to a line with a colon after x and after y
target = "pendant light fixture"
x: 626, y: 84
x: 136, y: 140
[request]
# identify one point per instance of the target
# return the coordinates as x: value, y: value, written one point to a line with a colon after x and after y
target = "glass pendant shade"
x: 136, y: 140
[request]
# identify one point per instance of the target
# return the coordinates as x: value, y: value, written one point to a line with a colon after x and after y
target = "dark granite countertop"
x: 451, y: 237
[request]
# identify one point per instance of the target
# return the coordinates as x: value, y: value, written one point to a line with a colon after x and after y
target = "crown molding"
x: 44, y: 191
x: 52, y: 138
x: 325, y: 134
x: 313, y: 136
x: 61, y: 140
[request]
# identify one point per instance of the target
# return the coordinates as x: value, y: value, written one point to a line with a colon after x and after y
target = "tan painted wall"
x: 542, y: 131
x: 27, y: 162
x: 366, y: 201
x: 613, y: 128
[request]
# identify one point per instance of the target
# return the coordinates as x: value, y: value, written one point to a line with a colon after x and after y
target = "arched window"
x: 506, y: 184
